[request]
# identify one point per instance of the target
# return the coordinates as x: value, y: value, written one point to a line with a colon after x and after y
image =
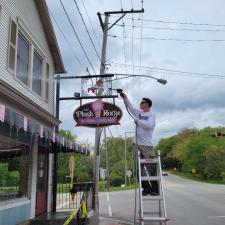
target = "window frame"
x: 14, y: 46
x: 23, y: 30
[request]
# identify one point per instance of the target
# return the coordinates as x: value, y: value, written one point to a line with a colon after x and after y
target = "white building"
x: 29, y: 58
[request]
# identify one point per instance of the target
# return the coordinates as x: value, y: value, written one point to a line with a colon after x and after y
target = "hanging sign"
x: 97, y: 114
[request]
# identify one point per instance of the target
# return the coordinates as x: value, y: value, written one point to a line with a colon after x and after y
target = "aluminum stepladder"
x: 146, y: 201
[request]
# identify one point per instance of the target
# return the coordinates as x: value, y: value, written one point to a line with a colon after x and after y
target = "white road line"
x: 109, y: 206
x: 213, y: 217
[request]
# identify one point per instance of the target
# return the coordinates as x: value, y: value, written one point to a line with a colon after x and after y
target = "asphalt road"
x: 188, y: 203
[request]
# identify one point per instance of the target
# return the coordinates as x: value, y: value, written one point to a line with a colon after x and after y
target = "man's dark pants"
x: 146, y: 152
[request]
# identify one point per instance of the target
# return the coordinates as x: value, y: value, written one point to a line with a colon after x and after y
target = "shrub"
x: 83, y: 177
x: 115, y: 179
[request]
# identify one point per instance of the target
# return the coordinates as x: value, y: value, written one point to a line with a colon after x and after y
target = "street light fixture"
x: 161, y: 81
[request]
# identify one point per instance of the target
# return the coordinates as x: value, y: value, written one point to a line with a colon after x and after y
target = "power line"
x: 171, y: 39
x: 77, y: 36
x: 91, y: 24
x: 174, y: 71
x: 124, y: 46
x: 168, y: 73
x: 110, y: 132
x: 132, y: 5
x: 64, y: 36
x: 173, y: 29
x: 78, y: 9
x: 132, y: 49
x: 141, y: 36
x: 121, y: 5
x: 175, y: 22
x: 186, y: 23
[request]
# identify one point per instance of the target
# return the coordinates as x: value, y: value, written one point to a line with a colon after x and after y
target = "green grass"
x: 9, y: 188
x: 196, y: 177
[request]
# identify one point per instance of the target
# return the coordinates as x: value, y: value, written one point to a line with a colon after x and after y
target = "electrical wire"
x: 97, y: 39
x: 175, y: 22
x: 64, y: 36
x: 132, y: 48
x: 121, y: 5
x: 110, y: 132
x: 82, y: 47
x: 173, y: 29
x: 175, y: 71
x: 132, y: 5
x: 124, y: 47
x: 141, y: 35
x: 171, y: 39
x: 78, y: 9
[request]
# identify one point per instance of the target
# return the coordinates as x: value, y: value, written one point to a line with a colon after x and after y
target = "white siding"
x: 27, y: 12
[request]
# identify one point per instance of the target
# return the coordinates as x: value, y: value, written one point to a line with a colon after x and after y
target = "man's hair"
x: 149, y: 101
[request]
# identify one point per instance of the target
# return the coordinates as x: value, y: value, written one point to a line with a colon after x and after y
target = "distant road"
x: 188, y: 203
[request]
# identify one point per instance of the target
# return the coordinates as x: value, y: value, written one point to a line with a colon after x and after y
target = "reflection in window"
x: 22, y: 60
x: 37, y: 73
x: 47, y: 82
x: 14, y: 171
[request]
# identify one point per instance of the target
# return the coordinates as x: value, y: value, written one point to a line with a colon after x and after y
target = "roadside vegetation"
x: 196, y: 154
x: 83, y: 165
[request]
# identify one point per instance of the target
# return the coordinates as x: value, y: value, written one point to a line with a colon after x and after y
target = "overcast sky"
x: 186, y: 36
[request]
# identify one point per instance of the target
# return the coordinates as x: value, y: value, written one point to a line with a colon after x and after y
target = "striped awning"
x: 19, y: 127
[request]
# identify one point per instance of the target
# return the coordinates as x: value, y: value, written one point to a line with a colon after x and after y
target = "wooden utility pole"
x: 105, y: 28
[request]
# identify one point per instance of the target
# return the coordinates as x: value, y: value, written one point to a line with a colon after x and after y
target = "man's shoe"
x: 153, y: 193
x: 144, y: 193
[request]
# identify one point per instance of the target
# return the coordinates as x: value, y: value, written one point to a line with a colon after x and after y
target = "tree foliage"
x: 82, y: 167
x: 195, y: 151
x: 116, y: 158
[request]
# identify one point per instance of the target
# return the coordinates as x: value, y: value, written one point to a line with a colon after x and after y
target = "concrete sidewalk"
x: 111, y: 221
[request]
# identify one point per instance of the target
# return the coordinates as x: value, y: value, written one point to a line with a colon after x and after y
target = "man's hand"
x: 122, y: 95
x: 135, y: 121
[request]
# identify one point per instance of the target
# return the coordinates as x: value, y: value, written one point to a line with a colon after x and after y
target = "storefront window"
x: 14, y: 171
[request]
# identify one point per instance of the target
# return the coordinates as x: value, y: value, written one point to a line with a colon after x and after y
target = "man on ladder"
x: 145, y: 124
x: 151, y: 178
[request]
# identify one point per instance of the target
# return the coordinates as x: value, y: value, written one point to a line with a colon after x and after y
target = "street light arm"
x: 161, y: 81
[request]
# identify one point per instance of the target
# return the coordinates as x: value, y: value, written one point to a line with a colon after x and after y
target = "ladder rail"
x: 162, y: 186
x: 141, y: 214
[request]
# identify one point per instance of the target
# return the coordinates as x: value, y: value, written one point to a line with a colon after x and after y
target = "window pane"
x: 37, y: 73
x: 13, y: 33
x: 47, y: 82
x: 14, y: 172
x: 22, y: 60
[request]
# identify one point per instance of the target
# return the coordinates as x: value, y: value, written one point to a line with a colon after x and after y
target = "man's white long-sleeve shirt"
x: 145, y: 124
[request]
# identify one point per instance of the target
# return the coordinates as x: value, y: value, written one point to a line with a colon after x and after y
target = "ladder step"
x: 147, y: 178
x: 151, y: 197
x: 153, y: 160
x: 153, y: 219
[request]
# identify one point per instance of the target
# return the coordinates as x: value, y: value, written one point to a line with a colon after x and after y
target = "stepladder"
x: 151, y: 196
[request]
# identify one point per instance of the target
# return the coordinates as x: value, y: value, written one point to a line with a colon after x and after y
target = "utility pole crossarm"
x: 124, y: 11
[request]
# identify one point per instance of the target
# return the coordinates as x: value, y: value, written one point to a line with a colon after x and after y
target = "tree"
x: 116, y: 147
x: 67, y: 134
x: 196, y: 150
x: 83, y: 163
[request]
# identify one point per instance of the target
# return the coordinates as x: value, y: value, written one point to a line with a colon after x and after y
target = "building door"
x: 42, y: 182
